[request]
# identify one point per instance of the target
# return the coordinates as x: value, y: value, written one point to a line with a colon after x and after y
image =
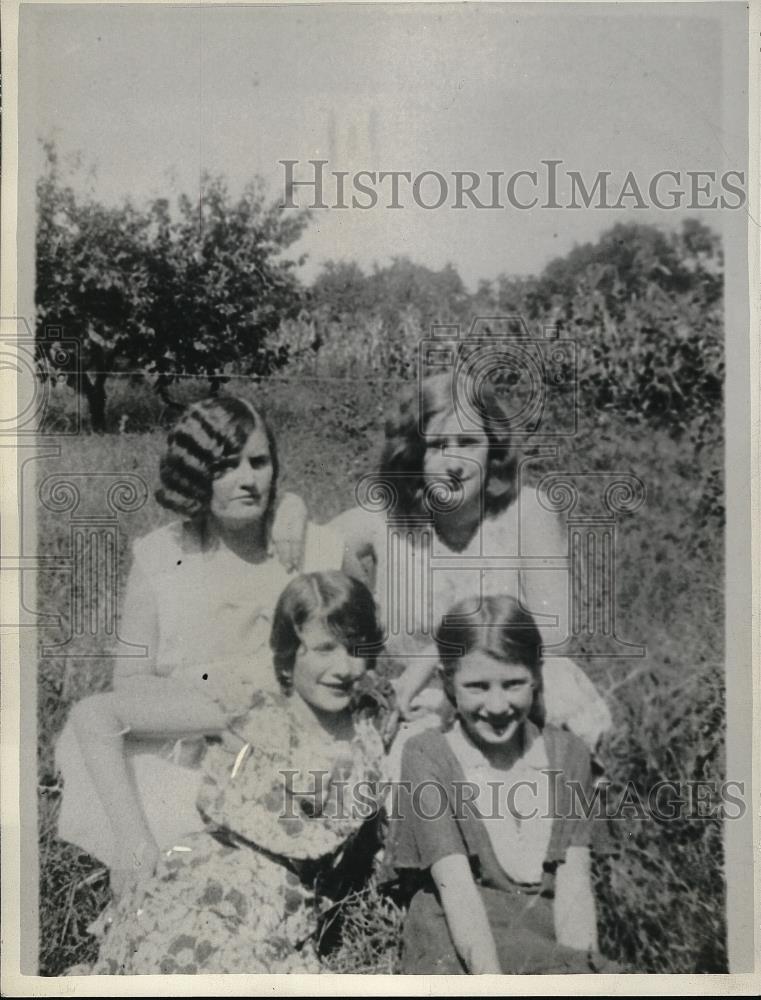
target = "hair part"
x: 405, y: 446
x: 343, y: 604
x: 498, y: 626
x: 208, y: 434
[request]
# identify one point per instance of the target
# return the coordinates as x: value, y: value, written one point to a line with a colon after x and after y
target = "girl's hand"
x: 288, y: 530
x: 409, y: 686
x: 134, y: 865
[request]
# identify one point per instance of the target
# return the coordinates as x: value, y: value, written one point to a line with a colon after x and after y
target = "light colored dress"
x: 418, y: 579
x: 213, y: 613
x: 247, y: 893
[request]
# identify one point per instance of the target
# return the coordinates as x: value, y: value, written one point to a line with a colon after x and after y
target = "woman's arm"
x: 574, y: 906
x: 546, y: 590
x: 138, y: 625
x: 288, y: 530
x: 356, y: 529
x: 100, y: 723
x: 466, y: 915
x: 417, y: 673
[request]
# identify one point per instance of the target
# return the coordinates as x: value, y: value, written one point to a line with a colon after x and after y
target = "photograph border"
x: 19, y: 864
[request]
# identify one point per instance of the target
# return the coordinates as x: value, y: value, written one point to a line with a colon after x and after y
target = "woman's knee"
x: 95, y: 714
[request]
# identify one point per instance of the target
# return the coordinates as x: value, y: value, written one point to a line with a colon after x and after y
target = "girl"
x: 449, y: 482
x: 281, y: 828
x: 491, y: 822
x: 198, y: 609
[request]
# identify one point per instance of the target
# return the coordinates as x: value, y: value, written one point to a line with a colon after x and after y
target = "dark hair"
x: 207, y: 435
x: 498, y: 626
x: 343, y: 604
x: 406, y: 442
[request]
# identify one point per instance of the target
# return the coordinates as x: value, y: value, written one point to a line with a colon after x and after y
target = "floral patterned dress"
x: 249, y: 893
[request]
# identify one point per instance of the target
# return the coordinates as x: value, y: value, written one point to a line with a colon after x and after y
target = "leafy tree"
x: 91, y: 280
x: 401, y: 291
x: 195, y: 291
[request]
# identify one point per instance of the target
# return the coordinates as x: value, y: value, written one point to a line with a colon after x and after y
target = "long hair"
x: 208, y: 435
x: 406, y: 442
x: 498, y: 626
x: 344, y: 605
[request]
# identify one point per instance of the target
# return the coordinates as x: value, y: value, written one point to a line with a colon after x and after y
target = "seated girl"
x: 444, y: 507
x: 486, y: 825
x: 198, y: 608
x: 280, y: 836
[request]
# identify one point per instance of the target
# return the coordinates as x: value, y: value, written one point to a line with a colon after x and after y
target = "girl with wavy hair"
x: 198, y: 608
x: 444, y: 509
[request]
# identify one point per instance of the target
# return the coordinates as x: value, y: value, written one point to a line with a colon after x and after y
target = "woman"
x: 453, y: 504
x: 492, y: 824
x: 285, y: 798
x: 198, y: 608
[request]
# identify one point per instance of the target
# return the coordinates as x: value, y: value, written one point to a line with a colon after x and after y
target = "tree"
x: 399, y: 291
x: 91, y: 280
x: 191, y: 292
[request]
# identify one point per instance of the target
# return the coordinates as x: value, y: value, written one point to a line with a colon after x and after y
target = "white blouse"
x: 514, y: 804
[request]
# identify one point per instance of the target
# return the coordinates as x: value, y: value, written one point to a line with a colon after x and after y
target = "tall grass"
x: 661, y: 899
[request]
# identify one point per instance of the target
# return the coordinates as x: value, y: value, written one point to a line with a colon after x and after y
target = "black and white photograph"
x: 377, y: 552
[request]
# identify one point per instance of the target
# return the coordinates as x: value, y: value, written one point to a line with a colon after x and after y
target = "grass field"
x: 661, y: 900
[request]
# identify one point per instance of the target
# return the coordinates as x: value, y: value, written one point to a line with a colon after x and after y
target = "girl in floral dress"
x: 287, y: 796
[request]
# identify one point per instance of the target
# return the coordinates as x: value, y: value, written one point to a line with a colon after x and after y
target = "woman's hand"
x: 134, y: 864
x: 408, y: 688
x: 288, y: 531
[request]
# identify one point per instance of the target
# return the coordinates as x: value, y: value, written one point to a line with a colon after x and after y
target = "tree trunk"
x: 94, y: 391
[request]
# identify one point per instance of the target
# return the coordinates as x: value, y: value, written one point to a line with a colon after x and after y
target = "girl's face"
x: 493, y: 698
x: 240, y: 493
x: 324, y: 673
x: 456, y: 458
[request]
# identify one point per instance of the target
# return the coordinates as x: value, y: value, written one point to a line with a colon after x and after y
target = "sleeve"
x: 423, y: 826
x: 572, y: 701
x: 580, y: 800
x: 545, y: 588
x: 323, y: 549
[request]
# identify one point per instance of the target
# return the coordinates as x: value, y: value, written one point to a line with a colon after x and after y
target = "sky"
x: 151, y: 97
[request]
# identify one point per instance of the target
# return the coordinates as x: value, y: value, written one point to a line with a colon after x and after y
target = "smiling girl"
x: 490, y: 829
x: 277, y: 847
x: 454, y: 510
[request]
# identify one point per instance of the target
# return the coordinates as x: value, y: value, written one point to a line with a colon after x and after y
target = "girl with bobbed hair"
x: 447, y: 493
x: 342, y: 603
x: 490, y: 833
x: 198, y: 608
x: 288, y: 804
